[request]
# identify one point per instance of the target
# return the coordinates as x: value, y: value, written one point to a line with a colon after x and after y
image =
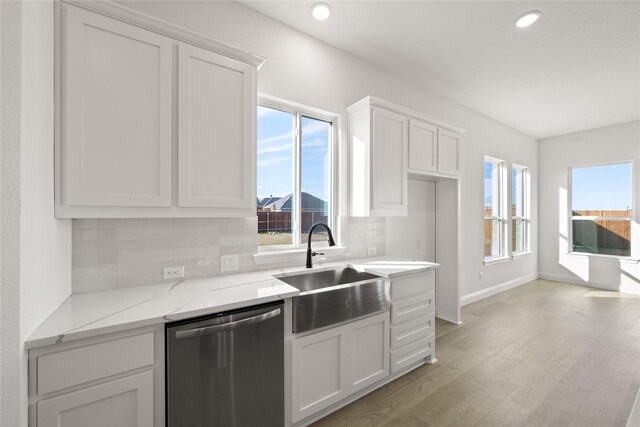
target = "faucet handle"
x: 317, y: 253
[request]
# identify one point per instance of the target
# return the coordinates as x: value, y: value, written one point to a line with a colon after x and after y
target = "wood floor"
x: 542, y: 354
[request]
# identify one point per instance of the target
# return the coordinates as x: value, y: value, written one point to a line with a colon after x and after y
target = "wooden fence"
x: 280, y: 222
x: 607, y: 236
x: 602, y: 236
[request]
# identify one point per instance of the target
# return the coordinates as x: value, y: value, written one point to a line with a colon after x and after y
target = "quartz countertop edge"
x: 96, y: 313
x: 396, y: 269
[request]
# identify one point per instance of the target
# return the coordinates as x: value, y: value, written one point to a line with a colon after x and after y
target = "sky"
x: 275, y: 154
x: 605, y: 187
x: 601, y: 187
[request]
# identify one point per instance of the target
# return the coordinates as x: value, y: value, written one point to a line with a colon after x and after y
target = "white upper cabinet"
x: 153, y: 121
x: 388, y: 141
x: 423, y: 140
x: 448, y: 152
x: 433, y: 151
x: 116, y: 113
x: 216, y: 116
x: 378, y: 145
x: 389, y: 168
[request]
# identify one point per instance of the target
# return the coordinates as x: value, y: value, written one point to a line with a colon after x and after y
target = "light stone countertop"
x: 95, y: 313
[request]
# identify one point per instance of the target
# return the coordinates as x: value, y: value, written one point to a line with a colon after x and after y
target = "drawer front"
x: 405, y: 287
x: 412, y: 331
x: 412, y: 353
x: 413, y: 307
x: 68, y: 368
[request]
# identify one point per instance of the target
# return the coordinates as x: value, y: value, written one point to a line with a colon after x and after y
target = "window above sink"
x: 296, y: 173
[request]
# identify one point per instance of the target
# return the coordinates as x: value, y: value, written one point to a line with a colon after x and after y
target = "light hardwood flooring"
x: 542, y: 354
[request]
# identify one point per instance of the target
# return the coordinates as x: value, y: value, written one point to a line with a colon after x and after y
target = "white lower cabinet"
x: 125, y: 402
x: 412, y: 320
x: 111, y: 380
x: 369, y: 362
x: 330, y: 365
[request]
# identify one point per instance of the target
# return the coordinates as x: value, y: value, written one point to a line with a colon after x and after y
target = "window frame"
x: 570, y: 217
x: 299, y: 110
x: 526, y: 209
x: 502, y: 210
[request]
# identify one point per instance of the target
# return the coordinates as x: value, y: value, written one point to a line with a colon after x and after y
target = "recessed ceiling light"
x: 320, y: 11
x: 527, y: 19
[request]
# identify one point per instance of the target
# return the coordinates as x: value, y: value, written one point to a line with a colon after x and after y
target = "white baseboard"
x: 448, y: 320
x: 576, y: 281
x: 493, y: 290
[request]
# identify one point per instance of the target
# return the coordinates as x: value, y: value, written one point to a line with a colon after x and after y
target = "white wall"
x: 304, y: 70
x: 116, y: 253
x: 414, y: 236
x: 10, y: 44
x: 556, y: 155
x: 45, y: 242
x: 36, y: 248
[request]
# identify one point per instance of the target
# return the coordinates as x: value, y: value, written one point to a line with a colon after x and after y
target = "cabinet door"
x: 370, y: 352
x: 331, y: 365
x: 216, y: 113
x: 423, y: 139
x: 389, y: 166
x: 319, y: 377
x: 123, y: 402
x: 448, y: 152
x: 115, y: 135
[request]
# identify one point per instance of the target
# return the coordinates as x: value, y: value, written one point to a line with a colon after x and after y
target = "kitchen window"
x: 520, y: 217
x: 601, y: 209
x: 494, y: 212
x: 294, y: 173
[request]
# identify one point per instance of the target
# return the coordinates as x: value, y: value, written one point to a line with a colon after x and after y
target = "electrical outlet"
x: 371, y: 251
x: 173, y: 272
x: 229, y: 263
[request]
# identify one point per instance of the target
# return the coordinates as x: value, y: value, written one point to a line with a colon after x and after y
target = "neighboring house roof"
x: 267, y: 200
x: 278, y: 204
x: 283, y: 204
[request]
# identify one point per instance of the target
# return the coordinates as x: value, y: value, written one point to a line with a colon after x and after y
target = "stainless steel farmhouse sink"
x: 333, y: 296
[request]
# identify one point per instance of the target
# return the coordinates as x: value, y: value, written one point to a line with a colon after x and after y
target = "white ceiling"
x: 577, y: 68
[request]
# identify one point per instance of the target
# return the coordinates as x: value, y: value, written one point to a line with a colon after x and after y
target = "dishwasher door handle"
x: 197, y: 332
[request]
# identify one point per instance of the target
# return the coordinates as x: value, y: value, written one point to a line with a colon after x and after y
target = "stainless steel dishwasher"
x: 227, y: 369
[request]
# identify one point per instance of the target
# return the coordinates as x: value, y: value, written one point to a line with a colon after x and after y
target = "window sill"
x: 497, y: 260
x: 520, y: 255
x: 607, y: 258
x: 270, y: 256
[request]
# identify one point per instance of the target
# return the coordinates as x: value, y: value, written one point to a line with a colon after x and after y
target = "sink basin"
x: 333, y: 296
x: 326, y: 280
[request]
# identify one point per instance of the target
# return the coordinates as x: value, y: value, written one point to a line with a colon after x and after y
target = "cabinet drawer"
x: 79, y: 365
x: 409, y: 332
x: 401, y: 288
x: 412, y: 353
x: 411, y: 308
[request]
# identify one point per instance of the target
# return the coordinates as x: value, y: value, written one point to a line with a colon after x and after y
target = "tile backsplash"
x: 116, y: 253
